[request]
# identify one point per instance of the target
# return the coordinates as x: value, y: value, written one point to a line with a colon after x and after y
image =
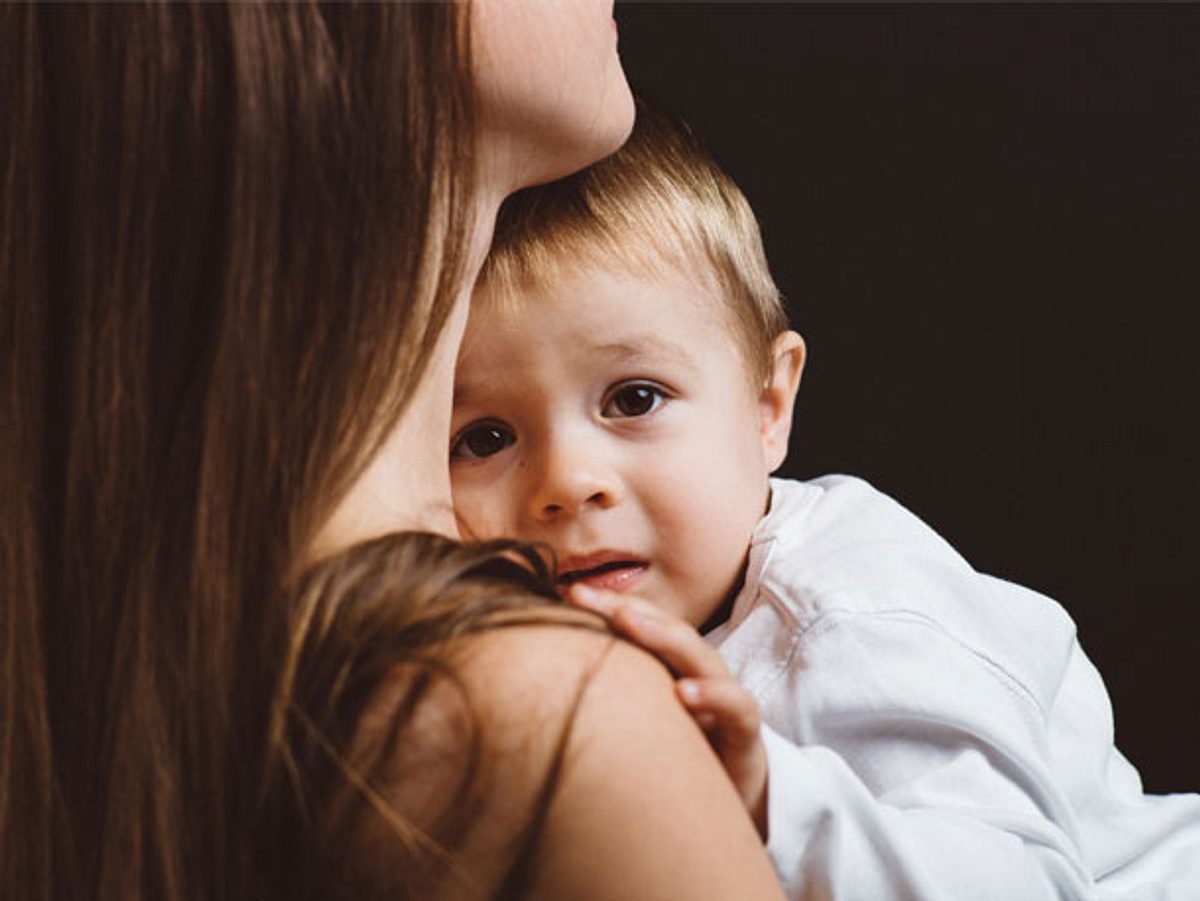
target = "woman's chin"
x: 560, y: 145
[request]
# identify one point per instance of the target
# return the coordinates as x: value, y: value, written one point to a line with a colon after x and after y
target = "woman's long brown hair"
x: 231, y: 235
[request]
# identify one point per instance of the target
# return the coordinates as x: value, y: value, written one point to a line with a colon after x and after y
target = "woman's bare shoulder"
x: 565, y: 767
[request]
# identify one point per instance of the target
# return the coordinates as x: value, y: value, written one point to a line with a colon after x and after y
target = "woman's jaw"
x: 552, y: 95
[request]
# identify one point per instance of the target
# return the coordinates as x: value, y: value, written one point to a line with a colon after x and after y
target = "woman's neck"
x: 407, y: 483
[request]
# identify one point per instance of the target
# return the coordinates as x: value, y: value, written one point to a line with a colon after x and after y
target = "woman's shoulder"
x: 588, y: 779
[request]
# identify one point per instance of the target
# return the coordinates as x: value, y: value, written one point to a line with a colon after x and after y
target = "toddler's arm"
x: 829, y: 835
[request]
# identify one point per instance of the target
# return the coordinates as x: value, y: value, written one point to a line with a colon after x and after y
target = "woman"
x: 236, y: 246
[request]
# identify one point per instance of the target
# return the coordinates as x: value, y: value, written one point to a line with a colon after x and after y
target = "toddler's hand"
x: 718, y: 703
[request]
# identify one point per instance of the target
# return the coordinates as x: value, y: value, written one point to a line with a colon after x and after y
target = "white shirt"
x: 933, y: 732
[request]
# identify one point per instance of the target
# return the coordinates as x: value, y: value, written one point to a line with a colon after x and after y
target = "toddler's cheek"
x: 478, y: 520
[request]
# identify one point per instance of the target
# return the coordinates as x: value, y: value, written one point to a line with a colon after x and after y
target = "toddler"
x: 624, y: 390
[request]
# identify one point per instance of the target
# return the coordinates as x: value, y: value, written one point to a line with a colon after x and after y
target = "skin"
x: 638, y: 776
x: 610, y: 417
x: 543, y: 116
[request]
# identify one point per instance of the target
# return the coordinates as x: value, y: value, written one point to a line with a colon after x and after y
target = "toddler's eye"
x: 481, y: 439
x: 635, y: 399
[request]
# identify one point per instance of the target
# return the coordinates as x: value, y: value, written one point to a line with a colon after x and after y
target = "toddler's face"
x: 612, y: 417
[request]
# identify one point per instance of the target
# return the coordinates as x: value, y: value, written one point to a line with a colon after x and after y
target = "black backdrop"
x: 986, y: 220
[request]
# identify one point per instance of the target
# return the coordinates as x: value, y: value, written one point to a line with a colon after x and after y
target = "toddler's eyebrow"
x: 644, y: 350
x: 648, y: 349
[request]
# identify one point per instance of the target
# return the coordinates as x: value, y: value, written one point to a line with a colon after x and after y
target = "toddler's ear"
x: 778, y: 395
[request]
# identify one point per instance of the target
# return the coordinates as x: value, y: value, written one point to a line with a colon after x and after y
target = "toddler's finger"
x: 722, y: 706
x: 672, y: 640
x: 593, y: 599
x: 675, y: 642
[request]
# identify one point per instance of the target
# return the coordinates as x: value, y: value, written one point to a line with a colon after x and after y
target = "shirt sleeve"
x: 830, y: 838
x: 927, y: 775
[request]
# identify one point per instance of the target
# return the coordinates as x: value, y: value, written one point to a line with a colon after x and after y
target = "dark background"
x: 986, y: 220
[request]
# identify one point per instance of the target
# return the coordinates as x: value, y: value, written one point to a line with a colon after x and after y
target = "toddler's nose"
x: 570, y: 482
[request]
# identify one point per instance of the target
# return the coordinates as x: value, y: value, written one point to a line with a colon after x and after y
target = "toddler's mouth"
x: 612, y: 574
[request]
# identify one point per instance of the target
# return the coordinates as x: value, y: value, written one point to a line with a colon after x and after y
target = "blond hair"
x: 660, y: 203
